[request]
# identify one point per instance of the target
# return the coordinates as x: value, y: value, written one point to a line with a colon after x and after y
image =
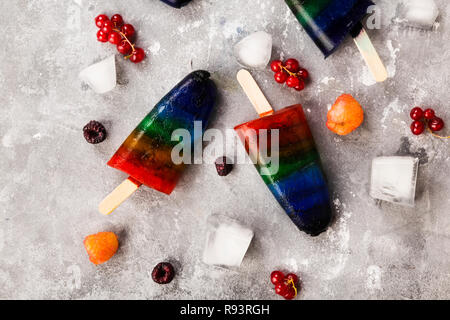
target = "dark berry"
x: 416, y: 113
x: 277, y: 277
x: 429, y: 114
x: 281, y: 77
x: 223, y: 166
x: 417, y: 127
x: 163, y: 273
x: 276, y: 65
x: 292, y: 65
x: 94, y: 132
x: 437, y: 124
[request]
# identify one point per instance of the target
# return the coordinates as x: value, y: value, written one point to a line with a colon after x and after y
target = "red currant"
x: 276, y: 66
x: 128, y: 30
x: 107, y: 27
x: 115, y: 38
x: 124, y: 47
x: 99, y: 20
x: 289, y: 294
x: 303, y: 73
x: 102, y: 36
x: 281, y: 288
x: 293, y: 277
x: 292, y: 82
x: 416, y: 113
x: 276, y: 277
x: 117, y: 20
x: 138, y: 55
x: 300, y: 86
x: 417, y: 127
x: 292, y: 65
x: 429, y: 114
x: 437, y: 124
x: 281, y: 77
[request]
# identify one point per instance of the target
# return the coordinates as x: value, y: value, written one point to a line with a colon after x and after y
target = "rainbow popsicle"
x: 176, y: 3
x: 146, y: 154
x: 328, y: 22
x: 299, y: 184
x: 297, y: 181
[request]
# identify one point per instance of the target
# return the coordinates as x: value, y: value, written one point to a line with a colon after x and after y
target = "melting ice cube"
x: 227, y: 241
x: 394, y: 179
x: 418, y: 13
x: 101, y: 77
x: 254, y: 51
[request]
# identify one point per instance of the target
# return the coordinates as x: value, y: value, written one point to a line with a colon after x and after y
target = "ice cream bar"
x: 146, y: 154
x: 299, y: 184
x: 176, y: 3
x: 328, y: 23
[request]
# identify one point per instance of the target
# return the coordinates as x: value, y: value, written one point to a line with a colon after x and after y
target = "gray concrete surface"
x: 52, y: 180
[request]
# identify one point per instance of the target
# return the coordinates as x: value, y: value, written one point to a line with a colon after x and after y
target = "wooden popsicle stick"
x: 371, y: 56
x: 119, y: 195
x: 258, y: 99
x: 254, y: 93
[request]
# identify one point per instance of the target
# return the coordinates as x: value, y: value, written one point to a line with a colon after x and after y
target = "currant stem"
x: 129, y: 42
x: 434, y: 134
x: 438, y: 136
x: 290, y: 281
x: 289, y: 72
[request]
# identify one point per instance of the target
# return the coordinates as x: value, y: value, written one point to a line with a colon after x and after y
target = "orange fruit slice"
x: 345, y: 115
x: 101, y: 246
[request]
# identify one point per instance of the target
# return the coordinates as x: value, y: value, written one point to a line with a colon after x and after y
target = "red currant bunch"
x: 120, y: 34
x: 285, y: 286
x: 290, y: 72
x: 423, y: 119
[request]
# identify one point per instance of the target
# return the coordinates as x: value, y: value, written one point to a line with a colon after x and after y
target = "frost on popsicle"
x: 102, y: 76
x: 418, y: 13
x: 254, y: 51
x: 394, y: 179
x: 227, y: 241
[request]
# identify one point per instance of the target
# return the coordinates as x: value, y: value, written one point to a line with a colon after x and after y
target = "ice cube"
x: 101, y: 77
x: 394, y: 179
x: 419, y: 13
x: 254, y: 51
x: 227, y: 241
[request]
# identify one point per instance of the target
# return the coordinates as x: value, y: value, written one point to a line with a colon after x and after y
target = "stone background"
x: 53, y: 180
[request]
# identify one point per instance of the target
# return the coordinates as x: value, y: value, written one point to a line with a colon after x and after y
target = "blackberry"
x: 94, y: 132
x: 223, y: 166
x: 163, y: 273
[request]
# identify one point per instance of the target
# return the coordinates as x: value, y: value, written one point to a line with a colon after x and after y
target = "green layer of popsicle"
x: 162, y: 129
x: 311, y: 7
x: 289, y: 165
